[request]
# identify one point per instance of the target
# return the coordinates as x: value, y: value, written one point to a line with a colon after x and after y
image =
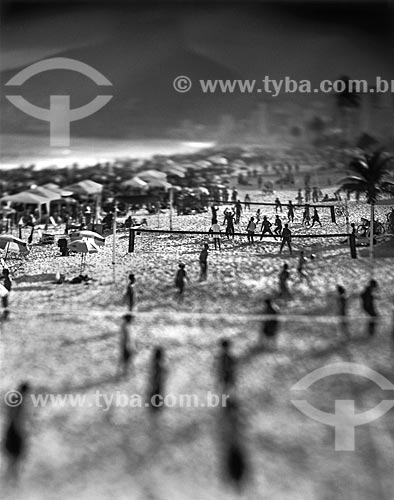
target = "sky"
x: 234, y: 33
x: 141, y: 46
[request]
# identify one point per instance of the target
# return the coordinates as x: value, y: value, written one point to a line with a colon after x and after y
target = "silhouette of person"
x: 227, y: 365
x: 204, y: 262
x: 180, y: 278
x: 290, y: 212
x: 342, y: 301
x: 278, y: 226
x: 368, y: 304
x: 284, y: 277
x: 301, y: 265
x: 14, y: 442
x: 269, y: 327
x: 266, y: 228
x: 316, y: 218
x: 129, y: 295
x: 157, y: 380
x: 286, y: 239
x: 251, y: 228
x: 127, y: 350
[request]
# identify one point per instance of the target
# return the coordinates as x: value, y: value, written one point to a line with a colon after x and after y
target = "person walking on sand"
x: 266, y: 228
x: 127, y: 350
x: 215, y: 231
x: 306, y: 216
x: 290, y: 212
x: 278, y: 226
x: 129, y: 295
x: 258, y: 215
x: 278, y: 205
x: 368, y: 305
x: 316, y: 218
x: 251, y: 228
x: 269, y: 327
x: 284, y: 277
x: 302, y: 260
x: 14, y: 441
x: 226, y: 368
x: 157, y: 380
x: 204, y: 262
x: 342, y: 302
x: 247, y: 202
x: 286, y: 239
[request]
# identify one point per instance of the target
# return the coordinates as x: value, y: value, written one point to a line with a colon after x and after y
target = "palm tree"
x: 372, y: 176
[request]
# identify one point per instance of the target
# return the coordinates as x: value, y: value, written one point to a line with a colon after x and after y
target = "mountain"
x: 144, y: 102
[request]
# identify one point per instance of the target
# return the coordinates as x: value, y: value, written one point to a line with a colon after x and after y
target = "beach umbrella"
x: 6, y: 210
x: 175, y: 171
x: 202, y: 190
x: 83, y: 247
x: 152, y: 174
x: 85, y: 234
x: 159, y: 183
x: 10, y: 243
x: 86, y: 187
x: 135, y: 182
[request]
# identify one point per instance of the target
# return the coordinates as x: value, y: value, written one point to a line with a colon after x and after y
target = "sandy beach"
x: 64, y: 340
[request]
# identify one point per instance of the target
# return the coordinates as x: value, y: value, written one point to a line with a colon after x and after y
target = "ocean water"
x: 16, y: 150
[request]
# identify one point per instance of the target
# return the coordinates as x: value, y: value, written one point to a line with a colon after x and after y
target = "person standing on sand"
x: 290, y: 213
x: 368, y: 304
x: 229, y: 220
x: 299, y: 197
x: 129, y: 295
x: 214, y: 211
x: 226, y: 368
x: 14, y: 441
x: 278, y: 205
x: 269, y: 326
x: 247, y: 202
x: 204, y: 262
x: 238, y: 211
x: 215, y: 231
x: 126, y: 349
x: 157, y: 380
x: 278, y: 226
x: 284, y: 277
x: 342, y: 301
x: 266, y: 228
x: 286, y: 239
x: 251, y: 228
x: 180, y: 279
